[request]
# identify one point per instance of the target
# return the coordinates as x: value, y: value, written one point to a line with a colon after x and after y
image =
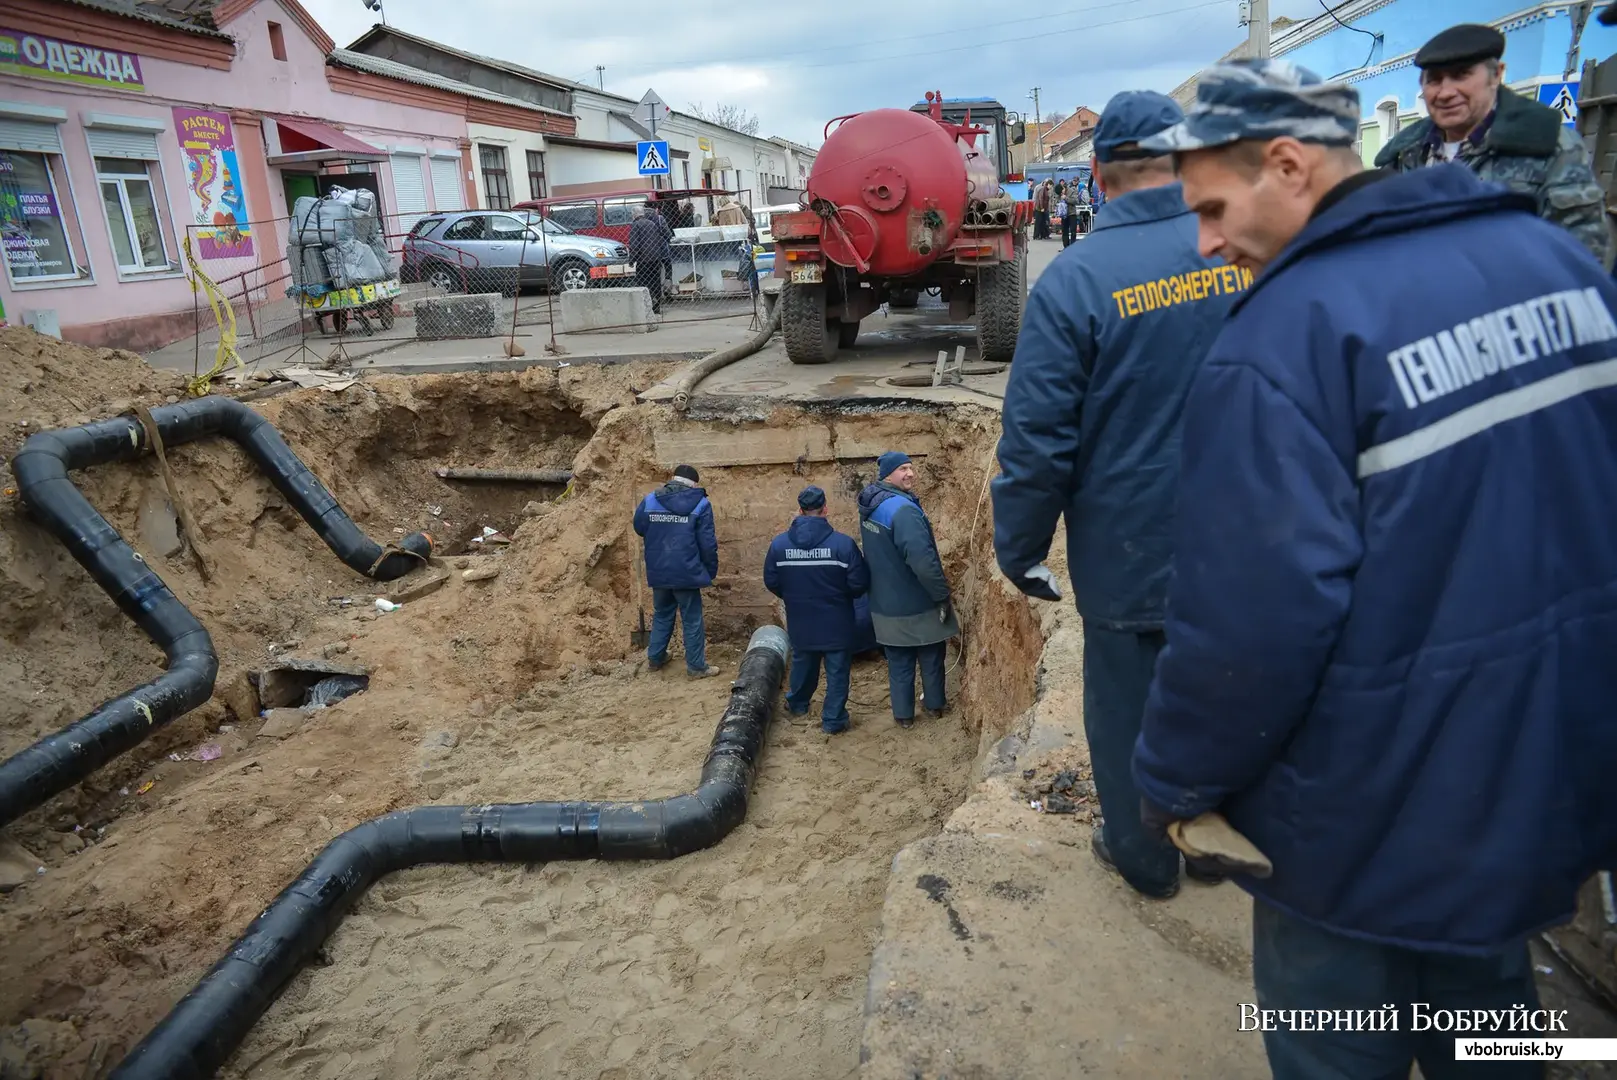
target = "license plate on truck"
x: 807, y: 275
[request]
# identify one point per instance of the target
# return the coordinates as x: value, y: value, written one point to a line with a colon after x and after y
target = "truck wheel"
x: 811, y: 338
x: 903, y: 298
x: 1000, y: 292
x: 847, y: 334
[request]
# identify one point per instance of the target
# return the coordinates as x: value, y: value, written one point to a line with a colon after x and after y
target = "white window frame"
x: 78, y: 273
x: 141, y: 269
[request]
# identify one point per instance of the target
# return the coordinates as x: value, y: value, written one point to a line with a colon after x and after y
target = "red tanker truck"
x: 901, y: 201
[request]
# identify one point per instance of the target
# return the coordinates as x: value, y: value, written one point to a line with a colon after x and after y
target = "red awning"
x: 303, y: 139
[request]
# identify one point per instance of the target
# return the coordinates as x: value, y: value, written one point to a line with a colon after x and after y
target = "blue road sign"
x: 1562, y: 97
x: 653, y: 157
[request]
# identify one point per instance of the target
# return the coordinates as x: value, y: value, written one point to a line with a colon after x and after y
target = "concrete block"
x: 461, y: 316
x: 625, y: 311
x: 757, y: 446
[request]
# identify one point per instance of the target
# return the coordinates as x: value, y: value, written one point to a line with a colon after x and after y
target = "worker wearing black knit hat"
x: 1474, y: 120
x: 682, y: 559
x: 909, y: 595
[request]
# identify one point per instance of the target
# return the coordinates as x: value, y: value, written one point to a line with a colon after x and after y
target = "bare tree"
x: 733, y: 117
x: 1055, y: 117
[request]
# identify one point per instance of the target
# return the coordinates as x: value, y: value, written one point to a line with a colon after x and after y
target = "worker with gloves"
x: 909, y: 596
x: 819, y: 573
x: 1474, y: 120
x: 1390, y: 631
x: 682, y: 559
x: 1114, y: 333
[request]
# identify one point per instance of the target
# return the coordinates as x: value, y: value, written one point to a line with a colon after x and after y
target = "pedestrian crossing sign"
x: 653, y: 158
x: 1562, y: 97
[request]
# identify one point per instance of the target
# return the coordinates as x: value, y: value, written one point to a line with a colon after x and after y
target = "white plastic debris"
x: 384, y: 604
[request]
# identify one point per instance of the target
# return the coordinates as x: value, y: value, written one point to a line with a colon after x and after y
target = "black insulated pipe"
x: 59, y: 761
x: 205, y: 1028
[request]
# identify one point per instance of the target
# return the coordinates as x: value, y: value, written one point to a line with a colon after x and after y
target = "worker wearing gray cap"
x: 1395, y: 582
x: 1114, y: 333
x: 1476, y: 121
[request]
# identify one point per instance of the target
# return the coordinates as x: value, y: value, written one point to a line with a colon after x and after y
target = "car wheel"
x: 571, y: 276
x: 442, y: 278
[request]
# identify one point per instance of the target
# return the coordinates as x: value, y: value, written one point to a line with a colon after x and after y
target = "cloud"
x: 796, y: 73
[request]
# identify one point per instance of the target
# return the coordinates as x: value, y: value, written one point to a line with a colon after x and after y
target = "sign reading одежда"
x: 44, y: 57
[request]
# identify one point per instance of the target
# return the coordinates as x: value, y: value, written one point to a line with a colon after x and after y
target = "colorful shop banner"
x: 49, y: 58
x: 214, y: 183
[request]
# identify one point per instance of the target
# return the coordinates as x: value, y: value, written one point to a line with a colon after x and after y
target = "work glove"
x: 1039, y: 583
x: 944, y: 610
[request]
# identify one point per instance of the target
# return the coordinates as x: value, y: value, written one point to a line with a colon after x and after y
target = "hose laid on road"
x: 59, y: 761
x: 725, y: 357
x: 204, y: 1029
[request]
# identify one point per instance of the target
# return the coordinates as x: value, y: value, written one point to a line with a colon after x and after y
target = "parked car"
x: 610, y: 213
x: 478, y: 250
x: 761, y: 219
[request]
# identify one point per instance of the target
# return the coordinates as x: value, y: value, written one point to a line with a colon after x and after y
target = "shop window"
x: 277, y: 41
x: 34, y: 216
x: 536, y: 174
x: 496, y: 179
x: 134, y: 220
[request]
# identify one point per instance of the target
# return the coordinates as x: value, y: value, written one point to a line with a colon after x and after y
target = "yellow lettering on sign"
x: 1188, y: 287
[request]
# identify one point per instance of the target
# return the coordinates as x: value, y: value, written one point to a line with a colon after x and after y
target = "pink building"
x: 121, y: 135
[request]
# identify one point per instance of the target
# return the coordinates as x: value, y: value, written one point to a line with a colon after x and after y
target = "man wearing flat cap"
x: 1395, y: 576
x: 1476, y: 121
x: 820, y: 573
x: 1114, y: 332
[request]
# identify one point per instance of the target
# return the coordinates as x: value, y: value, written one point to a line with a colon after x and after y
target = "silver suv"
x: 504, y: 250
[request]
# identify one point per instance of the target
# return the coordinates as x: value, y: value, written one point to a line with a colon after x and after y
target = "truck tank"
x: 900, y: 183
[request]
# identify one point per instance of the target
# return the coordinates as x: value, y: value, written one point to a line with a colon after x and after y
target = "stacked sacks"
x: 337, y: 241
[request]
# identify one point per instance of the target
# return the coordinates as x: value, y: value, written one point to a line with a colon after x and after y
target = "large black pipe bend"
x: 61, y: 760
x: 205, y: 1028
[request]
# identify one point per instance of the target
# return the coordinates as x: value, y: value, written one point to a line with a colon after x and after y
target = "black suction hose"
x: 205, y: 1028
x: 59, y: 761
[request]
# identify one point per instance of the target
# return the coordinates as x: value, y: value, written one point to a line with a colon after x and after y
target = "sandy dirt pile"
x: 744, y: 961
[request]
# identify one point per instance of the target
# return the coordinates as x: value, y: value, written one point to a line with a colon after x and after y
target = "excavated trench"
x: 747, y: 959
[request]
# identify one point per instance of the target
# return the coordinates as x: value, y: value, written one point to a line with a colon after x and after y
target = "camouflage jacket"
x: 1524, y: 146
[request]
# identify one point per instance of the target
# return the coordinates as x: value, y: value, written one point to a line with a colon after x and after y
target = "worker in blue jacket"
x: 909, y: 595
x: 819, y: 572
x: 1115, y: 331
x: 1394, y: 609
x: 682, y: 559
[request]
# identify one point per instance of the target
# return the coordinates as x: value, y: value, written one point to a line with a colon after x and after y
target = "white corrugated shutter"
x: 112, y: 143
x: 409, y: 190
x: 30, y: 135
x: 447, y: 192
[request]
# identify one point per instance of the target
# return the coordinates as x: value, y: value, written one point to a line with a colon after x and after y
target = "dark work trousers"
x: 1117, y: 675
x: 1069, y: 228
x: 1041, y: 224
x: 1296, y: 965
x: 901, y: 661
x: 649, y: 276
x: 806, y: 677
x: 687, y: 604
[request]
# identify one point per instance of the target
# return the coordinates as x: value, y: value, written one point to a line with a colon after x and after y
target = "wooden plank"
x: 756, y: 446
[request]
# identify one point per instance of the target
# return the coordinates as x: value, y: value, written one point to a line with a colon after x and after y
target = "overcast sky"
x: 812, y: 61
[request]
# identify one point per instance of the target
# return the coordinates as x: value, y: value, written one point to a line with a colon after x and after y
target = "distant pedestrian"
x: 820, y: 573
x: 909, y: 595
x: 1474, y: 120
x: 649, y: 250
x: 1069, y: 215
x: 1041, y: 210
x: 682, y: 559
